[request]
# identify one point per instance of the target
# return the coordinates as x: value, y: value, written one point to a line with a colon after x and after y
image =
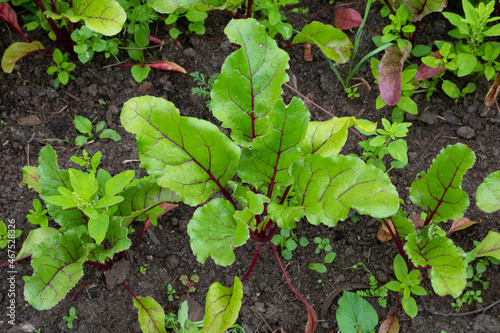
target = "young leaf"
x: 213, y: 232
x: 250, y: 81
x: 390, y: 325
x: 410, y: 306
x: 355, y: 312
x: 347, y: 18
x: 109, y: 133
x: 35, y: 238
x: 9, y: 16
x: 488, y: 193
x: 320, y: 268
x: 84, y: 184
x: 284, y: 216
x: 57, y: 267
x: 30, y: 178
x: 266, y: 165
x: 116, y: 184
x: 170, y: 6
x: 439, y: 192
x: 140, y: 72
x: 328, y: 186
x: 425, y: 72
x: 188, y: 155
x: 490, y: 246
x: 420, y: 8
x: 151, y: 315
x: 118, y: 241
x: 332, y: 41
x: 83, y: 125
x: 222, y: 306
x: 17, y: 51
x: 390, y: 77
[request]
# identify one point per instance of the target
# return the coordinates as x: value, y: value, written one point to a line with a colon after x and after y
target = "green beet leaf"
x: 118, y: 241
x: 57, y: 267
x: 250, y: 82
x: 35, y: 238
x: 151, y: 315
x: 419, y: 8
x: 328, y: 186
x: 188, y: 155
x: 170, y: 6
x: 98, y: 227
x: 284, y: 216
x: 266, y: 165
x: 332, y: 41
x: 447, y: 273
x: 403, y: 226
x: 17, y: 51
x: 215, y: 233
x: 439, y: 192
x: 248, y: 199
x: 30, y: 178
x: 488, y: 193
x: 104, y: 16
x: 355, y: 314
x: 222, y: 306
x: 490, y: 246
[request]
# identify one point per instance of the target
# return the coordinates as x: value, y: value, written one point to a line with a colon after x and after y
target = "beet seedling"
x: 170, y: 292
x: 190, y: 283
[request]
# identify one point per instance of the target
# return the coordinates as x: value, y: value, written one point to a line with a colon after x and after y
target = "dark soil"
x: 268, y: 302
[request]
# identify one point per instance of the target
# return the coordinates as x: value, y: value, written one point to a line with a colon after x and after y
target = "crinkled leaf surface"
x: 447, y: 272
x: 141, y: 197
x: 490, y: 246
x: 57, y: 267
x: 390, y: 70
x: 328, y: 137
x: 250, y: 81
x: 213, y: 232
x: 222, y: 306
x: 347, y: 18
x: 403, y: 226
x: 266, y: 164
x: 16, y: 51
x: 439, y: 192
x: 151, y: 315
x: 188, y: 155
x: 421, y: 8
x: 285, y: 216
x: 50, y: 178
x: 328, y: 186
x: 170, y: 6
x: 332, y: 41
x: 35, y: 237
x: 488, y: 193
x: 104, y: 16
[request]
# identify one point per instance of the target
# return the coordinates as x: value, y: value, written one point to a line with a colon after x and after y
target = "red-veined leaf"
x: 389, y: 73
x: 493, y: 92
x: 347, y: 18
x: 460, y: 224
x: 425, y: 72
x: 9, y: 16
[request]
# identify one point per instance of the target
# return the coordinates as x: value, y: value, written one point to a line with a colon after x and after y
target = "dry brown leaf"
x: 117, y: 273
x: 143, y: 87
x: 390, y: 325
x: 460, y: 224
x: 29, y: 120
x: 493, y: 92
x: 307, y: 53
x: 383, y: 233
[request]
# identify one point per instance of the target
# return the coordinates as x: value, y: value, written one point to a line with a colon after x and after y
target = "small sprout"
x: 320, y: 267
x: 190, y: 283
x: 72, y: 316
x: 6, y: 234
x: 85, y: 127
x: 63, y: 67
x: 143, y: 270
x: 170, y: 292
x: 322, y: 244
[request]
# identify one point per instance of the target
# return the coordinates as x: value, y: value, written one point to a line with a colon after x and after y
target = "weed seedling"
x: 380, y: 293
x: 85, y: 127
x: 3, y: 122
x: 143, y: 270
x: 72, y: 316
x: 180, y: 323
x: 322, y: 244
x: 285, y: 240
x: 190, y: 283
x: 63, y: 67
x: 203, y: 85
x: 352, y: 93
x: 7, y: 235
x: 320, y: 267
x: 38, y: 216
x: 170, y: 292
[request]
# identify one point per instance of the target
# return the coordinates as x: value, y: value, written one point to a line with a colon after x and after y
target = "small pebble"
x: 428, y: 118
x: 466, y: 132
x: 450, y: 117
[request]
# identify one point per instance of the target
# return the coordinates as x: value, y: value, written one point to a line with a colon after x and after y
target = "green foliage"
x: 63, y: 67
x: 180, y: 323
x: 286, y: 240
x: 7, y: 234
x: 320, y: 267
x: 380, y: 293
x: 88, y: 42
x: 196, y: 21
x: 72, y: 316
x: 203, y: 86
x: 190, y: 283
x: 85, y: 127
x: 273, y: 18
x: 143, y: 270
x: 38, y: 216
x: 151, y: 314
x: 355, y: 315
x: 170, y: 292
x: 322, y: 244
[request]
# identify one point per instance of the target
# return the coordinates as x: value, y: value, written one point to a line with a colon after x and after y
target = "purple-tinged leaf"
x: 390, y: 70
x: 447, y: 273
x: 170, y: 6
x: 390, y: 325
x: 460, y: 224
x: 439, y: 192
x: 222, y: 306
x: 489, y: 247
x: 421, y: 8
x: 16, y: 51
x: 488, y: 193
x: 30, y: 178
x: 425, y: 72
x: 347, y: 18
x: 491, y: 96
x: 57, y: 267
x: 151, y: 315
x: 9, y: 15
x: 165, y: 65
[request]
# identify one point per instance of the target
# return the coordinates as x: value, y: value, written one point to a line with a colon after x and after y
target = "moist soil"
x: 35, y: 111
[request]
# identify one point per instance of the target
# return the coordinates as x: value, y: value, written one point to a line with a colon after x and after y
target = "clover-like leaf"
x: 439, y: 192
x: 16, y: 51
x: 188, y: 155
x: 222, y: 306
x: 170, y: 6
x: 390, y: 70
x: 332, y: 41
x: 104, y: 16
x: 57, y: 267
x: 213, y: 232
x: 490, y: 246
x: 151, y: 315
x: 447, y: 273
x: 328, y: 186
x: 250, y: 81
x: 266, y: 164
x: 488, y: 193
x: 421, y: 8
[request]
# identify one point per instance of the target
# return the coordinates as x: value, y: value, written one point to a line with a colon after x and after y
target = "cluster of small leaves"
x: 203, y: 85
x: 84, y: 126
x: 380, y: 293
x: 286, y: 241
x: 196, y: 21
x: 6, y: 234
x: 72, y: 316
x: 180, y: 323
x: 191, y: 282
x: 89, y: 42
x: 63, y: 68
x: 170, y: 292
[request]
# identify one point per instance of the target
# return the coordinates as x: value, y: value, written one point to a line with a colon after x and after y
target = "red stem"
x: 72, y: 298
x: 15, y: 261
x: 398, y: 243
x: 249, y: 8
x: 388, y: 4
x: 97, y: 264
x: 252, y: 265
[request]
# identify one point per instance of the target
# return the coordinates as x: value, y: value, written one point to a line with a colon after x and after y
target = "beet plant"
x: 289, y: 167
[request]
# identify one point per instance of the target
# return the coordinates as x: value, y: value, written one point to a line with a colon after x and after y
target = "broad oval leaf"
x: 16, y: 51
x: 332, y: 41
x: 104, y: 16
x: 35, y: 238
x: 488, y: 193
x: 490, y: 246
x: 30, y: 178
x: 151, y: 315
x: 347, y: 18
x: 390, y: 73
x: 170, y: 6
x: 250, y: 82
x: 188, y: 155
x: 57, y: 267
x: 439, y: 192
x: 222, y: 306
x: 213, y: 232
x: 355, y: 312
x: 421, y: 8
x: 9, y: 16
x: 328, y: 186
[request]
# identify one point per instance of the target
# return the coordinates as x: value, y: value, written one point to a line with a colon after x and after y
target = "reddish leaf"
x: 9, y: 16
x: 347, y: 18
x: 155, y: 40
x: 312, y: 321
x: 420, y: 8
x: 417, y: 221
x: 425, y: 72
x: 493, y: 92
x: 167, y: 66
x: 16, y: 51
x: 390, y: 325
x: 389, y: 73
x: 117, y: 273
x: 460, y: 224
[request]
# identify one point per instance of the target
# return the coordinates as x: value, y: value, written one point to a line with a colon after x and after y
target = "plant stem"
x: 399, y: 245
x: 15, y: 261
x: 310, y: 311
x: 72, y: 298
x: 97, y: 264
x: 249, y: 8
x: 252, y: 265
x: 388, y: 4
